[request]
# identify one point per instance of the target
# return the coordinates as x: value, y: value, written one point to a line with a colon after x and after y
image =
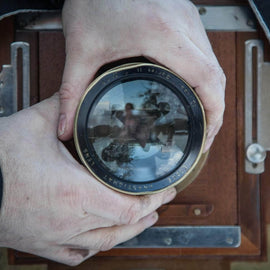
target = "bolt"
x: 202, y: 11
x: 255, y: 153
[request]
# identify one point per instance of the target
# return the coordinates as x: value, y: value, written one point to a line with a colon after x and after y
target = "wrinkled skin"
x: 52, y: 206
x: 166, y: 32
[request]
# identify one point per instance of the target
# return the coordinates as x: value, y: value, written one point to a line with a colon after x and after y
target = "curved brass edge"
x: 190, y: 175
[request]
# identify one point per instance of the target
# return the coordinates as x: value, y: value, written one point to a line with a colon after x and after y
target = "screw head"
x: 202, y: 10
x: 255, y: 153
x: 197, y: 211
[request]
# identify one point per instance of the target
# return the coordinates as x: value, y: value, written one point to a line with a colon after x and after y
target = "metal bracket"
x: 256, y: 146
x: 214, y: 18
x: 9, y: 84
x: 187, y: 237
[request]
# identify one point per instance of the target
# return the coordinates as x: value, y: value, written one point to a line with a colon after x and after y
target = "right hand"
x: 167, y: 32
x: 52, y: 206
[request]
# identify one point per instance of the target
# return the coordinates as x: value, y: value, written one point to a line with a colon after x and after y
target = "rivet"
x: 197, y: 211
x: 168, y: 241
x: 202, y: 11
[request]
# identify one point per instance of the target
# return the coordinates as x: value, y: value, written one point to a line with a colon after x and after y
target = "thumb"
x: 77, y: 75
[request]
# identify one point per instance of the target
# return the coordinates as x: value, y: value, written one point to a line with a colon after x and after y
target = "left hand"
x: 52, y: 206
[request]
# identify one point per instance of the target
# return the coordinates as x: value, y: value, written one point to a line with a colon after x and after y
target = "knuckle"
x: 108, y: 242
x: 223, y: 79
x: 130, y: 215
x: 214, y: 72
x: 217, y: 110
x: 75, y: 256
x: 191, y: 8
x: 145, y: 201
x: 157, y: 19
x: 67, y: 91
x: 74, y: 262
x: 218, y: 105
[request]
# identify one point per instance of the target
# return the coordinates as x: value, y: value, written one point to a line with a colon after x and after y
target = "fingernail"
x: 170, y: 195
x: 62, y: 124
x: 151, y: 219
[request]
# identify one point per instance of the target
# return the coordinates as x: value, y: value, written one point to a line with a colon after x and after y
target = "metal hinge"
x: 257, y: 130
x: 9, y: 83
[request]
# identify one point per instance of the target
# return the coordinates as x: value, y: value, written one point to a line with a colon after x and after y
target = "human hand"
x: 52, y: 207
x: 166, y: 32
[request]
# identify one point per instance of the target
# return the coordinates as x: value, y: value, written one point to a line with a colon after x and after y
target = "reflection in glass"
x: 139, y: 130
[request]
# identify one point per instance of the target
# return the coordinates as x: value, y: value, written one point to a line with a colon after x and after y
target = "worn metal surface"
x: 187, y: 237
x: 227, y: 18
x: 214, y: 18
x: 9, y: 83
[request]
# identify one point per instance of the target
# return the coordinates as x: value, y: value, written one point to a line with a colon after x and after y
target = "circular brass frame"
x: 189, y: 174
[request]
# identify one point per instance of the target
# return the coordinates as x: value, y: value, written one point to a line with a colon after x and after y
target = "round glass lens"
x: 139, y: 130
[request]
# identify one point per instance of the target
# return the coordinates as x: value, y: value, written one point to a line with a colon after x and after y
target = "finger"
x: 121, y: 208
x: 211, y: 133
x: 202, y: 73
x: 107, y: 238
x: 77, y: 75
x: 92, y: 222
